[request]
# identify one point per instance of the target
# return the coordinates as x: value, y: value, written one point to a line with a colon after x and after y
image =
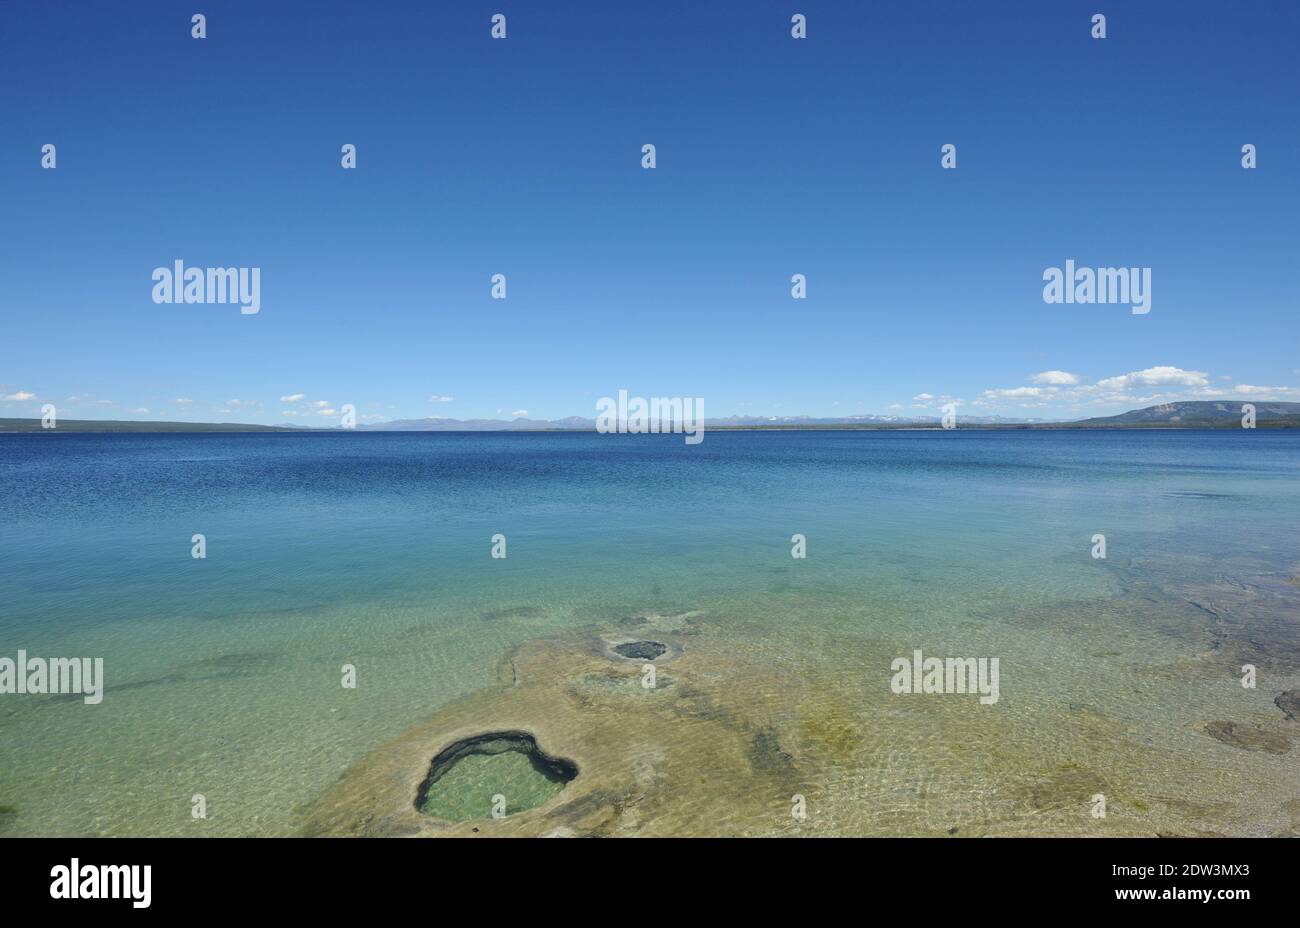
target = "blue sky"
x: 522, y: 156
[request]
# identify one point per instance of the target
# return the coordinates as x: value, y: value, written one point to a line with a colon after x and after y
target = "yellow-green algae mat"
x: 727, y: 738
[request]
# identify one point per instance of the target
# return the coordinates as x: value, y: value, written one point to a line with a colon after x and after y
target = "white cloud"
x: 438, y: 398
x: 519, y: 413
x: 292, y: 398
x: 1013, y: 392
x: 1136, y: 389
x: 139, y: 409
x: 922, y: 397
x: 1248, y: 388
x: 19, y: 396
x: 1056, y: 378
x: 183, y: 401
x: 321, y: 404
x: 327, y: 411
x: 1155, y: 377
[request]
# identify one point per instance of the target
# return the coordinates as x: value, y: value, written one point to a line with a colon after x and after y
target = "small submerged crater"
x: 641, y: 650
x: 497, y: 771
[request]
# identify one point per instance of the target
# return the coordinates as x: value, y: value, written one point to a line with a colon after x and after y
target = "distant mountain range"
x: 571, y: 424
x: 1200, y: 414
x: 1192, y: 414
x: 577, y: 423
x: 139, y: 425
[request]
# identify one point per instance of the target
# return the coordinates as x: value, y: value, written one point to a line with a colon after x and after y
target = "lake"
x: 1120, y: 676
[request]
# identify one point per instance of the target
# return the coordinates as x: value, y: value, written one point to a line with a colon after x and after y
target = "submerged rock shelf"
x: 723, y: 748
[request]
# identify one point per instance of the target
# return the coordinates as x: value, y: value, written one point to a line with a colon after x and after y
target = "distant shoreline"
x: 203, y: 428
x: 1195, y: 414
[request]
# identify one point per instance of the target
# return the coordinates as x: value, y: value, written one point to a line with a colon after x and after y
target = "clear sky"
x: 522, y: 156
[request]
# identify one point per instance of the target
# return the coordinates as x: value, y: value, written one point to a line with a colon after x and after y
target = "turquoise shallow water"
x: 372, y: 549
